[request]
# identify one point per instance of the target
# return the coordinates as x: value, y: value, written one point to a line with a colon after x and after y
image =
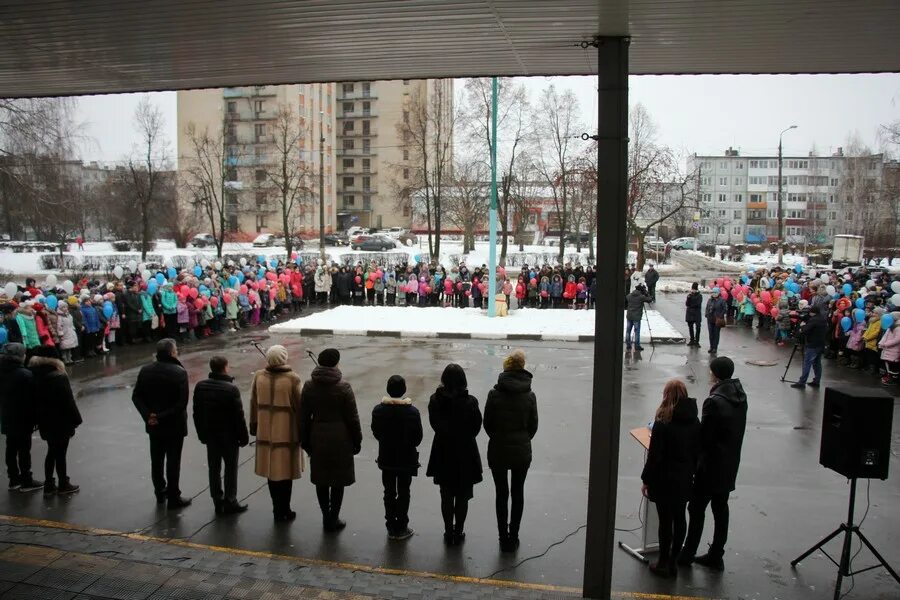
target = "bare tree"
x: 149, y: 158
x: 426, y: 129
x: 556, y: 124
x: 205, y: 177
x: 468, y: 199
x: 524, y: 190
x: 658, y: 188
x: 291, y: 180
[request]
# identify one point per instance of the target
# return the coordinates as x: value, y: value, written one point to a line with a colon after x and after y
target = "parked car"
x: 336, y: 239
x: 375, y: 243
x: 352, y: 232
x: 264, y: 240
x: 202, y: 240
x: 296, y: 241
x: 684, y: 243
x: 655, y: 245
x: 572, y: 237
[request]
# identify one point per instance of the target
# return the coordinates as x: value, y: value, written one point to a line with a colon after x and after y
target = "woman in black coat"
x: 510, y: 420
x: 693, y: 314
x: 455, y: 463
x: 669, y: 471
x: 58, y: 417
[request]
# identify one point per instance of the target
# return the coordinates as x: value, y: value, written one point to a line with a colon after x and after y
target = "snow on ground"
x: 429, y: 322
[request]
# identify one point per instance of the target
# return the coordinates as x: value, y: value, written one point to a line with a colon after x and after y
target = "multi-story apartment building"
x: 375, y: 162
x: 248, y: 117
x: 821, y: 196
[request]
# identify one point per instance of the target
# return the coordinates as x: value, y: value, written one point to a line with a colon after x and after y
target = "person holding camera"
x: 634, y: 303
x: 813, y: 332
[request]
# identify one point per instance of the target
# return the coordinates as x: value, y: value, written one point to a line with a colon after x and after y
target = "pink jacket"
x: 890, y: 345
x: 855, y: 341
x: 183, y: 316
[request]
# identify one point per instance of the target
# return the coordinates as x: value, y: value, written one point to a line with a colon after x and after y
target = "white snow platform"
x: 467, y: 323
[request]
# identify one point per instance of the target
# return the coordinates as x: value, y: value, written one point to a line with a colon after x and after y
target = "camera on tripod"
x: 798, y: 318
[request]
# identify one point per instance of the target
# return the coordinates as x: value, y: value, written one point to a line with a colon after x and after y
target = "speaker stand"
x: 848, y: 529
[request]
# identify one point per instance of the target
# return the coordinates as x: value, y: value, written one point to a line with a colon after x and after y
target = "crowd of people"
x: 852, y: 317
x: 78, y: 320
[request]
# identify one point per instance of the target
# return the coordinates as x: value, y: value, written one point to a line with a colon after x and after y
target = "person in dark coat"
x: 510, y: 420
x: 722, y: 426
x: 161, y: 397
x: 651, y: 277
x: 331, y: 434
x: 455, y: 462
x: 18, y: 417
x: 634, y: 312
x: 58, y: 417
x: 815, y: 334
x: 668, y: 474
x: 397, y: 425
x: 221, y: 426
x: 716, y: 307
x: 693, y: 314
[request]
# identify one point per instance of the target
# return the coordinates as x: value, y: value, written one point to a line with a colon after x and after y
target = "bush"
x: 126, y: 245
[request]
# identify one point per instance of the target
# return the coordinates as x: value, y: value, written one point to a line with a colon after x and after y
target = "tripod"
x: 790, y: 360
x: 649, y: 330
x: 848, y: 529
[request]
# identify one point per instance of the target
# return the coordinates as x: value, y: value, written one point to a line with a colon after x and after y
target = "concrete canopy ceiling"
x: 62, y: 47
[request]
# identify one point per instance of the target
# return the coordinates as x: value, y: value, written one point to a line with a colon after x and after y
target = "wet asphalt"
x: 785, y: 501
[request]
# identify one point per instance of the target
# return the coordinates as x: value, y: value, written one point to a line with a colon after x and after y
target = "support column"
x: 612, y: 177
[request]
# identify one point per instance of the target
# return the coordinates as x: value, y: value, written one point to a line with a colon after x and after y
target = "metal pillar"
x: 612, y: 176
x: 321, y: 178
x: 492, y: 260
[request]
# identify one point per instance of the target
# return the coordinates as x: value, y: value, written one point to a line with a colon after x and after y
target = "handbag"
x: 720, y: 321
x: 154, y: 322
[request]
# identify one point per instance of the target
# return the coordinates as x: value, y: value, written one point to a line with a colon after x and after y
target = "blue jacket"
x: 91, y: 318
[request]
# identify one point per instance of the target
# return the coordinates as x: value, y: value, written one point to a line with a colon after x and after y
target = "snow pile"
x: 669, y: 286
x: 427, y: 322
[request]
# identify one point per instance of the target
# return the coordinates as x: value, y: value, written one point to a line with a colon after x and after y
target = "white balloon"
x: 68, y: 286
x: 141, y: 267
x: 825, y: 277
x: 132, y: 266
x: 51, y: 280
x: 145, y: 275
x: 230, y: 263
x: 10, y: 289
x: 204, y: 263
x: 812, y: 272
x: 168, y: 262
x: 118, y: 272
x: 895, y: 300
x: 803, y: 303
x: 831, y: 290
x: 895, y: 287
x: 218, y: 266
x: 243, y: 262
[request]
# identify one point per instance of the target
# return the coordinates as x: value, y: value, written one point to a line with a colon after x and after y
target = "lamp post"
x: 321, y: 179
x: 780, y: 212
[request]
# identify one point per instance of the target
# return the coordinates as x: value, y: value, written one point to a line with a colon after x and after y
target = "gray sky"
x: 696, y: 113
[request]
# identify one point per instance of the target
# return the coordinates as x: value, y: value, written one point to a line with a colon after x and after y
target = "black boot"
x: 66, y: 487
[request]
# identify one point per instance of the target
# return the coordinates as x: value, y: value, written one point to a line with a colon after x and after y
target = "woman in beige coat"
x: 274, y: 420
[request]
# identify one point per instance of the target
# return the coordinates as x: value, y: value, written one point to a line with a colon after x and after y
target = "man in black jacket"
x: 651, y: 277
x: 219, y: 420
x: 721, y: 436
x: 815, y: 333
x: 397, y: 425
x: 19, y: 417
x: 634, y: 312
x: 161, y: 397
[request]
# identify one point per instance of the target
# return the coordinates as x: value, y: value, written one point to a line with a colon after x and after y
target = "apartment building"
x: 821, y: 196
x: 247, y: 117
x: 375, y: 163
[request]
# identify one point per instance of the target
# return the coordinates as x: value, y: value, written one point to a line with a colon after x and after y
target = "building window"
x: 405, y: 173
x: 260, y: 175
x: 347, y: 144
x: 406, y: 117
x: 348, y: 126
x: 366, y: 165
x: 260, y: 199
x: 738, y: 181
x: 348, y: 88
x: 348, y: 182
x: 367, y: 109
x: 406, y: 210
x: 721, y: 230
x: 704, y: 230
x: 706, y: 197
x: 723, y: 197
x: 405, y: 154
x: 723, y: 181
x: 706, y: 181
x: 349, y: 200
x: 737, y: 231
x: 366, y: 88
x: 723, y: 164
x: 366, y: 128
x: 262, y: 222
x: 737, y: 214
x: 366, y: 145
x: 723, y: 213
x: 347, y: 107
x: 367, y: 184
x: 258, y: 106
x: 232, y: 223
x: 739, y: 165
x: 231, y: 106
x: 259, y: 129
x: 348, y: 163
x: 406, y: 82
x: 231, y: 174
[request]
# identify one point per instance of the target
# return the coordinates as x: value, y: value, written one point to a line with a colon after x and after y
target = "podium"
x: 649, y: 518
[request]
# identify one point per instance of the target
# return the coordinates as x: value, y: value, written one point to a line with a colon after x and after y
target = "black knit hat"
x: 722, y: 367
x: 329, y: 358
x: 396, y: 386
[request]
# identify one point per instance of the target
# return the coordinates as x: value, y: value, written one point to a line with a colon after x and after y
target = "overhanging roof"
x: 57, y: 47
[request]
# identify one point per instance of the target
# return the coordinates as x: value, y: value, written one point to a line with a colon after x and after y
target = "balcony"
x: 256, y: 91
x: 358, y: 114
x: 356, y: 152
x: 366, y: 191
x: 756, y: 221
x: 355, y: 133
x: 757, y: 205
x: 357, y: 171
x: 264, y: 139
x: 357, y: 95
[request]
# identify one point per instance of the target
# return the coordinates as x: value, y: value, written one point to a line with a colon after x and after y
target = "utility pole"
x: 780, y: 211
x: 321, y: 178
x: 492, y: 260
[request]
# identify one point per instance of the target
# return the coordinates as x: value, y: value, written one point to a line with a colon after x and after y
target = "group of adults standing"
x: 291, y: 419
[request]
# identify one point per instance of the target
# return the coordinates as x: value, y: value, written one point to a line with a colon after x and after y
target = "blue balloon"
x: 233, y: 281
x: 4, y: 335
x: 107, y: 309
x: 203, y: 288
x: 887, y: 321
x: 860, y: 315
x: 847, y: 289
x: 261, y: 259
x: 299, y: 261
x: 152, y: 287
x: 790, y: 294
x: 745, y: 280
x: 206, y: 293
x: 860, y: 303
x: 417, y: 258
x: 846, y: 323
x: 273, y: 263
x: 52, y: 302
x: 172, y: 273
x: 716, y: 290
x: 198, y: 271
x: 240, y: 276
x: 798, y: 268
x: 160, y: 279
x: 836, y: 296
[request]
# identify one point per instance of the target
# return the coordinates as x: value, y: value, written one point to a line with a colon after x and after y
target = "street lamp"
x: 780, y: 212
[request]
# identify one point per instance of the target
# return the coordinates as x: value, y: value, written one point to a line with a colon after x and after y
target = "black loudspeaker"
x: 856, y: 433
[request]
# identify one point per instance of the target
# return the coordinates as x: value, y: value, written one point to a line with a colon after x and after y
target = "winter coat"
x: 694, y: 311
x: 651, y: 277
x: 329, y: 424
x: 91, y: 318
x: 28, y: 327
x: 455, y: 461
x: 634, y: 305
x: 890, y: 345
x: 18, y: 409
x: 274, y: 420
x: 672, y: 458
x: 855, y: 339
x: 412, y: 287
x: 715, y: 308
x: 162, y: 389
x: 134, y: 307
x: 510, y: 420
x: 183, y: 315
x: 219, y: 412
x: 747, y: 308
x: 147, y: 312
x: 322, y: 281
x: 378, y: 285
x: 169, y: 300
x: 784, y: 315
x: 57, y: 413
x: 815, y: 331
x: 721, y: 437
x: 231, y: 308
x: 45, y: 332
x: 65, y: 327
x: 397, y: 425
x: 556, y: 287
x: 870, y: 336
x: 53, y: 324
x: 570, y: 290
